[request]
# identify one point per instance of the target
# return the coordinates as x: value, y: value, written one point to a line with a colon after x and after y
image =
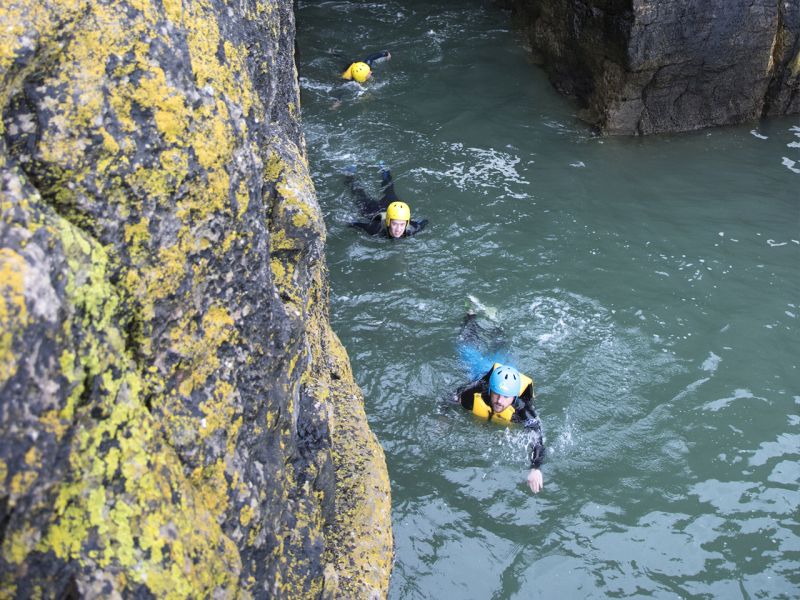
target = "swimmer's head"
x: 358, y: 71
x: 397, y: 211
x: 505, y: 381
x: 500, y: 403
x: 397, y: 228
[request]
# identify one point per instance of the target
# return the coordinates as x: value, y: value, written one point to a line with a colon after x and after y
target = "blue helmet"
x: 505, y: 381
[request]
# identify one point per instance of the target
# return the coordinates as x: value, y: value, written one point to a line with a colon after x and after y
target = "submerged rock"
x: 177, y: 418
x: 649, y: 66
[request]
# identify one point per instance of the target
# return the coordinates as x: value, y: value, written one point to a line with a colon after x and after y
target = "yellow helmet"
x: 359, y: 71
x: 398, y: 211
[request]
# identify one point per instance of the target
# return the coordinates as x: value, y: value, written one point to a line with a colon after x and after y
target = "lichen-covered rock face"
x: 177, y: 419
x: 648, y: 66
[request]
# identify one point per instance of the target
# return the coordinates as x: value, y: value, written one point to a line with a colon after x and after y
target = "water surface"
x: 650, y: 286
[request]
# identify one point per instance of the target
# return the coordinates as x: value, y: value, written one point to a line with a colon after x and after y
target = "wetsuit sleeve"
x: 368, y: 205
x: 374, y: 227
x: 466, y: 393
x: 389, y: 194
x: 535, y: 438
x: 527, y: 394
x: 414, y: 227
x: 377, y: 57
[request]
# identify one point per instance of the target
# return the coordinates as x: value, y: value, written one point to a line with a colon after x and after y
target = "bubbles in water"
x: 558, y: 319
x: 565, y: 439
x: 593, y: 379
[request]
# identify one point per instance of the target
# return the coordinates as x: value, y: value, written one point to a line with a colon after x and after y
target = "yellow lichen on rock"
x: 169, y: 110
x: 165, y: 354
x: 359, y: 544
x: 359, y: 541
x: 200, y: 346
x: 125, y: 523
x: 13, y: 310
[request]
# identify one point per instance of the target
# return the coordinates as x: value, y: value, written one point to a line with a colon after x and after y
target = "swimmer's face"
x: 397, y: 228
x: 500, y: 403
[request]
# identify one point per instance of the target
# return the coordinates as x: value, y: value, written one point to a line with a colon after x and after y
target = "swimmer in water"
x: 504, y: 395
x: 389, y: 216
x: 361, y: 70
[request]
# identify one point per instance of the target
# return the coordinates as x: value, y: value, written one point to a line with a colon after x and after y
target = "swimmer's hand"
x: 535, y: 481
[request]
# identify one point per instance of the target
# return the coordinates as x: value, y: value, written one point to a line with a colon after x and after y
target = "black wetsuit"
x: 524, y: 413
x: 372, y: 59
x: 373, y: 209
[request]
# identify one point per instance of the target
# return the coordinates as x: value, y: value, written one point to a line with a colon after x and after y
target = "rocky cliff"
x: 648, y: 66
x: 177, y: 418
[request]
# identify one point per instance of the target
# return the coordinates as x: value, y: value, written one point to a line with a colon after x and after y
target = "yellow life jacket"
x: 484, y: 411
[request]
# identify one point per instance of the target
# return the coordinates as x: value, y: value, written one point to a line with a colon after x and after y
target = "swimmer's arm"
x: 527, y: 394
x: 378, y: 57
x: 415, y: 227
x: 535, y: 454
x: 535, y: 441
x: 466, y: 394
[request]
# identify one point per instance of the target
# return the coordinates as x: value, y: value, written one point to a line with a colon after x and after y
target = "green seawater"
x: 650, y: 286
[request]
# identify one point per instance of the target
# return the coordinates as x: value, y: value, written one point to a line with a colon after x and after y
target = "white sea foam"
x: 483, y: 169
x: 489, y: 311
x: 785, y: 444
x: 785, y: 472
x: 790, y: 164
x: 738, y: 394
x: 711, y: 363
x: 755, y: 134
x: 308, y: 84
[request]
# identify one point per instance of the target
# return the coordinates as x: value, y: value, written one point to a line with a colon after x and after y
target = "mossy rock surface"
x: 177, y: 419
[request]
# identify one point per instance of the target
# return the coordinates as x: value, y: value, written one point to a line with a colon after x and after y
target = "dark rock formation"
x: 648, y: 66
x: 177, y: 418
